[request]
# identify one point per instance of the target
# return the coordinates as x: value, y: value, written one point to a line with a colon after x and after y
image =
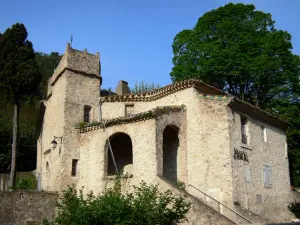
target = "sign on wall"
x: 240, y: 155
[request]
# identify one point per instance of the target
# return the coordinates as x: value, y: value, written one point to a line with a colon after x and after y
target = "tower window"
x: 74, y: 167
x: 87, y: 113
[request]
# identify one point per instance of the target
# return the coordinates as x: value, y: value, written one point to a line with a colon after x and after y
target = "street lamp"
x: 54, y: 142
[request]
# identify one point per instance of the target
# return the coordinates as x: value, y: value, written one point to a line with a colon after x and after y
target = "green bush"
x: 295, y: 209
x: 145, y: 205
x: 26, y: 183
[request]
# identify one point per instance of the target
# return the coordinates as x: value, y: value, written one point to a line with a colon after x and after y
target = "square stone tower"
x: 73, y: 97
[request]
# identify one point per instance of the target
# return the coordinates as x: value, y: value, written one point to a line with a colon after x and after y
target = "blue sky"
x: 134, y: 37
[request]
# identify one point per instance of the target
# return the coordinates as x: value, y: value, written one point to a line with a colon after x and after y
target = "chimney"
x: 122, y: 88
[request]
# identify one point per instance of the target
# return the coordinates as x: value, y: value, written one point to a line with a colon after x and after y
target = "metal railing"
x: 220, y: 205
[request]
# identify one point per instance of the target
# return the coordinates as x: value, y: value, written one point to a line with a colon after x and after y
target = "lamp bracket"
x: 58, y: 138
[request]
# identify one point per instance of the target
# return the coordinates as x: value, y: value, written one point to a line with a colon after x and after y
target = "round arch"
x: 121, y: 146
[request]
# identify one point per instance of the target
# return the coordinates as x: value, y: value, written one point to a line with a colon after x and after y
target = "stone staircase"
x: 256, y: 219
x: 200, y: 213
x: 212, y: 212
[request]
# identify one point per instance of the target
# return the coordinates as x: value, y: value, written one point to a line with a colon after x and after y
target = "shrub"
x: 26, y: 183
x: 145, y: 205
x: 295, y: 209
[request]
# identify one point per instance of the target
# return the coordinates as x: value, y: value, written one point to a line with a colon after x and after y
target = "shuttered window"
x: 263, y: 133
x: 247, y: 173
x: 267, y: 170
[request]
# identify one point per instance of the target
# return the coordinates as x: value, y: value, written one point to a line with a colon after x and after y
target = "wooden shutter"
x: 247, y: 173
x: 267, y: 176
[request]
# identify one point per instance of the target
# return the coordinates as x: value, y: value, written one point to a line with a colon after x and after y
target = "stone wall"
x: 20, y: 207
x: 275, y: 198
x: 71, y: 91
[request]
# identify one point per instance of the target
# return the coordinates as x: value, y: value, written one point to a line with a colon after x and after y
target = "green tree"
x: 143, y: 87
x: 145, y: 205
x: 237, y: 49
x: 46, y: 63
x: 19, y: 75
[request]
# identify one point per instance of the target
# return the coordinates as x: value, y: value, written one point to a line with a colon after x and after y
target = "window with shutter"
x: 263, y: 133
x: 267, y: 170
x: 247, y: 173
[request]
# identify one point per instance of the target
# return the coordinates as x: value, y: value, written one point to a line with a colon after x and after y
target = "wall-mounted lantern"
x: 54, y: 142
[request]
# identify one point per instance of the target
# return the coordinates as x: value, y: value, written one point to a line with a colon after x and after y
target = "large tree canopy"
x: 19, y: 71
x: 237, y: 49
x: 19, y: 77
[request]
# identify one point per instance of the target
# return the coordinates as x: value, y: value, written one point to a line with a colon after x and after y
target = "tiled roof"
x: 164, y: 91
x: 150, y: 114
x: 208, y: 91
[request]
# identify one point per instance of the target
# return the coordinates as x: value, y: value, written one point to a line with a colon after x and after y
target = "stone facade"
x: 196, y: 145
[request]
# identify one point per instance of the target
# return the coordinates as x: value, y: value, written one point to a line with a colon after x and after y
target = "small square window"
x: 263, y: 133
x: 259, y: 198
x: 74, y: 167
x: 129, y: 110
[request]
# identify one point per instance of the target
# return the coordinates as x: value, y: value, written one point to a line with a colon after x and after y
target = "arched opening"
x: 170, y: 153
x: 121, y: 146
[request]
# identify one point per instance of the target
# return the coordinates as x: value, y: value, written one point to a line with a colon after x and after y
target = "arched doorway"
x: 121, y: 146
x: 170, y: 152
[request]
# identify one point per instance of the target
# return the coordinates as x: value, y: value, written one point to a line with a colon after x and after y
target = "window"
x: 87, y: 113
x: 129, y: 110
x: 285, y: 150
x: 247, y: 173
x: 244, y: 130
x: 263, y: 133
x: 267, y: 175
x: 74, y: 167
x: 259, y: 198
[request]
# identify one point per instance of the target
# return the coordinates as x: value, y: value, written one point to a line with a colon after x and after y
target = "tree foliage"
x: 238, y: 49
x: 145, y: 205
x: 19, y: 72
x: 46, y: 63
x: 19, y: 77
x: 144, y: 87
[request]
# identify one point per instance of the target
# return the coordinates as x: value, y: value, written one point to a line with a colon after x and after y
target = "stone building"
x: 222, y: 148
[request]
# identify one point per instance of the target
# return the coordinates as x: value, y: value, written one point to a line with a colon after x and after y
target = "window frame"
x: 126, y: 110
x: 263, y: 134
x: 245, y: 130
x: 248, y: 174
x: 74, y: 170
x: 87, y: 109
x: 267, y: 176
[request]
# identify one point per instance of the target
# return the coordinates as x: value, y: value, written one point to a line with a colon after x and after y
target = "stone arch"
x: 121, y: 145
x: 170, y: 152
